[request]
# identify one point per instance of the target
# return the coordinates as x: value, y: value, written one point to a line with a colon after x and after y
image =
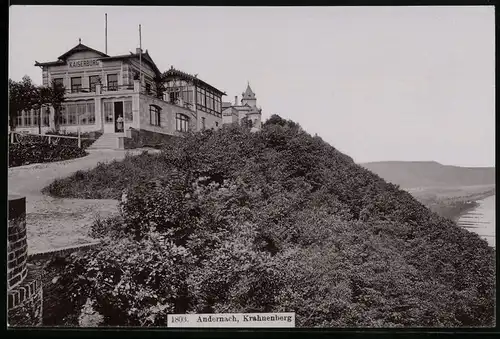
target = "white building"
x: 104, y: 93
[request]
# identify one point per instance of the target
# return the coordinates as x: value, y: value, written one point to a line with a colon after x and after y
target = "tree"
x: 21, y: 98
x: 54, y: 96
x: 275, y: 119
x: 40, y: 98
x: 245, y: 122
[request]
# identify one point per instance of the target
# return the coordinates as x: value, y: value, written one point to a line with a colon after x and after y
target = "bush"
x: 233, y: 221
x: 107, y: 181
x: 32, y: 152
x: 112, y: 227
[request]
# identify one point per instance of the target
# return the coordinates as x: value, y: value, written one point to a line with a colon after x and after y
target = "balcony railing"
x: 83, y: 90
x: 153, y: 93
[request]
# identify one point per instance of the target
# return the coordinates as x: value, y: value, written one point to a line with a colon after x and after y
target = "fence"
x: 64, y: 140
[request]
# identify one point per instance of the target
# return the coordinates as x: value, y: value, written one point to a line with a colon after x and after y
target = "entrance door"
x: 119, y: 120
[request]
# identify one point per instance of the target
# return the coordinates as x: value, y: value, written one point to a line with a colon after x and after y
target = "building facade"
x: 246, y: 112
x: 113, y: 94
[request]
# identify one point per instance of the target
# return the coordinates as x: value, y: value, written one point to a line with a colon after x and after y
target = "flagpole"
x: 106, y: 33
x: 140, y: 56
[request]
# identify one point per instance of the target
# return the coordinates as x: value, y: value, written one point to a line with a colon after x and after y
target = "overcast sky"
x: 377, y: 83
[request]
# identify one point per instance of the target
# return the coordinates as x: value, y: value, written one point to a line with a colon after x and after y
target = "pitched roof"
x: 145, y: 56
x: 104, y: 57
x: 248, y: 94
x: 172, y: 72
x: 80, y: 48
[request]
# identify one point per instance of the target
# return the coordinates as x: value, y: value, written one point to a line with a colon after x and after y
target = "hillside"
x: 410, y: 174
x: 274, y: 221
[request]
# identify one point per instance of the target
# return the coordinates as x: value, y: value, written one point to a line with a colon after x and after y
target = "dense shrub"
x: 107, y: 181
x: 234, y: 221
x: 32, y: 152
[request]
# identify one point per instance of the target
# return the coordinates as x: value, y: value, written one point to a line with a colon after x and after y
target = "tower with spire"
x: 248, y: 97
x: 246, y: 111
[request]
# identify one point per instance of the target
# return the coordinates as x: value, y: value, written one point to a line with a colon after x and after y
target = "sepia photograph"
x: 251, y: 167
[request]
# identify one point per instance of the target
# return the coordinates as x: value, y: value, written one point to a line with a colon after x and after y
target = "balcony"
x: 77, y: 91
x: 146, y: 90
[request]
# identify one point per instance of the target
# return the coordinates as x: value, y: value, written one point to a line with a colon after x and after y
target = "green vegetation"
x: 26, y: 153
x: 24, y: 96
x: 107, y: 181
x: 234, y: 221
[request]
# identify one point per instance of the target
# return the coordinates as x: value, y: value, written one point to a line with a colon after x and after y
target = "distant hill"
x: 411, y: 174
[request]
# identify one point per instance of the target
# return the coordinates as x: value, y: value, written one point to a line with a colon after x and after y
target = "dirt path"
x: 53, y: 222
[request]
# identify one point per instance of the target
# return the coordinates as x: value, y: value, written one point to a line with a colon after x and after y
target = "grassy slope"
x: 386, y: 248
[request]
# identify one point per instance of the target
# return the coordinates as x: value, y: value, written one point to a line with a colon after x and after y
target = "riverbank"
x: 481, y: 220
x: 471, y: 207
x: 452, y: 202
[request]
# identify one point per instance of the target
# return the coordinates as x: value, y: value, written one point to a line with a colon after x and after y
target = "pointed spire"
x: 79, y: 40
x: 249, y: 94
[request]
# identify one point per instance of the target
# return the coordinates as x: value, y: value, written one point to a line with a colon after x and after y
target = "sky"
x: 377, y: 83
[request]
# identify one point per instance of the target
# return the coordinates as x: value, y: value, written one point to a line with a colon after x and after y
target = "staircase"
x: 105, y: 141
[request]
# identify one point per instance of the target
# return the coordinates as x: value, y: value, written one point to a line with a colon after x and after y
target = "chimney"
x: 236, y: 100
x: 138, y: 50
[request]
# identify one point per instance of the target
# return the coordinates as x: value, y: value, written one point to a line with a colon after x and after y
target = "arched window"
x: 154, y: 115
x: 182, y: 122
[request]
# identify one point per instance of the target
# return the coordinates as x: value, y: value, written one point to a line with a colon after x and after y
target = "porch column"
x: 98, y: 107
x: 136, y: 110
x: 52, y: 120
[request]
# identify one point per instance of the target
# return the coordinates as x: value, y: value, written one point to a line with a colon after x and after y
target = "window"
x: 46, y: 117
x: 217, y: 105
x: 81, y: 114
x: 182, y: 122
x: 174, y: 96
x: 27, y: 118
x: 216, y: 124
x: 108, y: 112
x: 75, y: 113
x: 76, y: 85
x: 63, y: 115
x: 148, y: 88
x: 59, y: 81
x: 72, y: 114
x: 198, y: 97
x: 129, y: 116
x: 203, y: 98
x: 19, y: 118
x: 210, y: 101
x: 35, y: 117
x: 187, y: 96
x: 154, y: 115
x: 91, y: 113
x: 93, y: 81
x: 112, y: 82
x: 203, y: 123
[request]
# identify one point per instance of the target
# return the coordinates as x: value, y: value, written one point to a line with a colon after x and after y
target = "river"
x: 481, y: 220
